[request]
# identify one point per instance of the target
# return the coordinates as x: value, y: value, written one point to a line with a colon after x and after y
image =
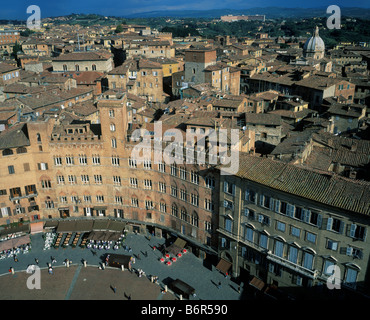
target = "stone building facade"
x: 196, y: 60
x: 140, y: 77
x: 83, y: 61
x: 282, y: 224
x: 81, y: 169
x: 287, y: 232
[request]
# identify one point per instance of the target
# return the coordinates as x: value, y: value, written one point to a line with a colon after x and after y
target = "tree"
x: 26, y: 32
x: 119, y: 29
x: 17, y: 47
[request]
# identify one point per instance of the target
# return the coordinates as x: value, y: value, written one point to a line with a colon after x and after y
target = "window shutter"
x: 272, y: 203
x: 246, y: 212
x: 349, y: 251
x: 306, y: 215
x: 290, y: 210
x: 261, y: 199
x: 341, y: 227
x: 319, y: 220
x: 333, y: 245
x: 260, y: 218
x: 233, y: 189
x: 225, y: 186
x: 277, y: 206
x: 223, y: 242
x: 329, y: 224
x: 352, y: 230
x: 343, y: 250
x: 247, y: 195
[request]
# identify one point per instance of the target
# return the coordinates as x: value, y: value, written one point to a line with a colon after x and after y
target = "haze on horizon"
x: 18, y: 10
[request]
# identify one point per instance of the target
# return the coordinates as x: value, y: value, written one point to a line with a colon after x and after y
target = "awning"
x: 105, y: 225
x: 177, y: 246
x: 20, y: 229
x: 14, y: 243
x: 103, y: 236
x: 50, y: 224
x: 37, y: 227
x: 117, y: 226
x: 257, y: 283
x: 100, y: 208
x: 224, y: 266
x: 66, y: 226
x: 100, y: 224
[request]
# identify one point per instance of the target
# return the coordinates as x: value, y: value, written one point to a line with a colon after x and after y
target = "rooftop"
x: 326, y: 188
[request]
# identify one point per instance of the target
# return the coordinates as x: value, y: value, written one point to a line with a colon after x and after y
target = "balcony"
x: 313, y: 274
x: 16, y: 194
x: 292, y: 266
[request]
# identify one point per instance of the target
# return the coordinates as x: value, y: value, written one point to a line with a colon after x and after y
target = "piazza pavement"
x: 93, y: 282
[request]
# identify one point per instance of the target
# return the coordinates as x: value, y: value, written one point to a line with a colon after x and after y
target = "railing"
x: 295, y: 267
x: 13, y: 197
x: 313, y: 274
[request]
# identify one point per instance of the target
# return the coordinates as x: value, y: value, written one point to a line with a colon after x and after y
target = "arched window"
x: 308, y: 257
x: 184, y: 215
x: 249, y: 233
x: 174, y: 210
x: 114, y: 143
x: 263, y: 240
x: 162, y: 206
x: 279, y: 247
x: 228, y: 224
x: 65, y: 68
x: 77, y: 67
x: 7, y: 152
x: 351, y: 273
x: 38, y: 137
x: 93, y: 67
x: 194, y: 219
x: 293, y: 253
x: 21, y: 150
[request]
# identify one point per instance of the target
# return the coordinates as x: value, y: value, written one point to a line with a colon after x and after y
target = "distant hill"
x: 270, y: 12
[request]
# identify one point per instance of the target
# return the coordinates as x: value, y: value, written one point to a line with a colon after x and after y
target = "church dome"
x: 315, y: 43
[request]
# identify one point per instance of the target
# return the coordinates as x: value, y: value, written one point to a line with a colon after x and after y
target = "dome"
x: 315, y: 43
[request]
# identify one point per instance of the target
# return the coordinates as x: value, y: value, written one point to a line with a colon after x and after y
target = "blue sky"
x: 17, y: 9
